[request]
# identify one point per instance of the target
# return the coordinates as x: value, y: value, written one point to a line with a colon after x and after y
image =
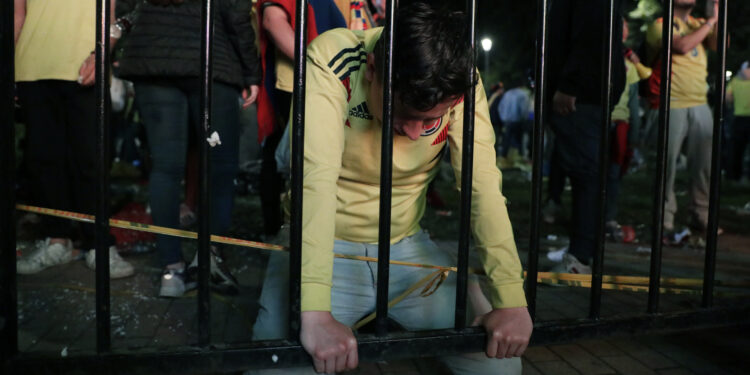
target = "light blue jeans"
x: 353, y: 297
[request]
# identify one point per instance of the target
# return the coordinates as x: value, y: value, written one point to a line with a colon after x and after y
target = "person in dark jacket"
x: 161, y: 55
x: 576, y: 77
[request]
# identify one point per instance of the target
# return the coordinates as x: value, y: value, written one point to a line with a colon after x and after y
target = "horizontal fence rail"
x: 372, y: 348
x: 382, y: 344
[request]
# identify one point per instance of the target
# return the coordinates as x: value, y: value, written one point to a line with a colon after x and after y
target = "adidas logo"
x: 361, y: 111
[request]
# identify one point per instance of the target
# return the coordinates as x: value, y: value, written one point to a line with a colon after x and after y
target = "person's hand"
x: 330, y: 343
x: 563, y: 104
x: 249, y: 95
x: 508, y: 331
x: 634, y: 58
x: 86, y: 74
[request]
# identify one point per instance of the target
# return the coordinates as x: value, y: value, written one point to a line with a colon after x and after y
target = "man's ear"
x: 370, y: 71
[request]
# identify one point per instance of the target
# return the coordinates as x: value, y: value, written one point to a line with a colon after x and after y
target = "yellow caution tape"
x: 581, y: 280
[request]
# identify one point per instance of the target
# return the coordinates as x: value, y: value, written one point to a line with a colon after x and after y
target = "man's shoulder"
x: 339, y: 45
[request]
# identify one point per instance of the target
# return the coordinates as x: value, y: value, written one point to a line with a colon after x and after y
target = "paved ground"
x: 56, y: 311
x: 56, y: 306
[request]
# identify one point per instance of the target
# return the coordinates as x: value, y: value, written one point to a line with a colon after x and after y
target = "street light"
x: 486, y: 46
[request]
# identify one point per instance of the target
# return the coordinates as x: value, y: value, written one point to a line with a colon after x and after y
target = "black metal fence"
x: 382, y: 344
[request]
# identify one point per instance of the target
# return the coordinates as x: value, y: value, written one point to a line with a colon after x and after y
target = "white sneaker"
x: 118, y: 267
x: 557, y: 255
x: 174, y: 283
x: 45, y: 255
x: 573, y: 265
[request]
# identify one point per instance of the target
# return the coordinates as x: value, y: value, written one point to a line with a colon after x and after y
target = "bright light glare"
x: 486, y: 44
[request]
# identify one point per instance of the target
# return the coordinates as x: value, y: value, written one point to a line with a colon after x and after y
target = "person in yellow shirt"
x: 738, y: 93
x: 55, y: 74
x: 341, y: 194
x: 690, y: 118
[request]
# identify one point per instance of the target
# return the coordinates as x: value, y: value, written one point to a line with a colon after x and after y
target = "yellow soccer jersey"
x: 57, y: 36
x: 342, y: 172
x: 689, y: 71
x: 284, y: 72
x: 740, y: 90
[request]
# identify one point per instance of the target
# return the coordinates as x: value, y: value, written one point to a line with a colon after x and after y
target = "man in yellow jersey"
x: 341, y: 195
x: 738, y: 93
x: 55, y: 69
x: 690, y: 118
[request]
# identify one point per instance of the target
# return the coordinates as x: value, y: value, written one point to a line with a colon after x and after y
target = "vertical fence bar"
x: 8, y: 300
x: 467, y: 166
x: 103, y: 323
x: 657, y: 224
x: 595, y: 305
x: 713, y: 198
x: 537, y: 152
x: 298, y: 144
x: 386, y: 177
x: 204, y: 203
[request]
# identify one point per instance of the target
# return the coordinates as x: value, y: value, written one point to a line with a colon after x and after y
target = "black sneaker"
x: 221, y: 279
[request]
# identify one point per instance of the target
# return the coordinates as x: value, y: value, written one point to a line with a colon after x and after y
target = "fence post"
x: 8, y: 299
x: 467, y: 167
x: 204, y: 197
x: 657, y: 224
x: 595, y: 304
x: 298, y: 149
x: 103, y: 323
x: 386, y: 174
x: 713, y: 198
x: 537, y: 152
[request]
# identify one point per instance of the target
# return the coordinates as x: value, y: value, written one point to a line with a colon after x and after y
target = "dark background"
x: 512, y: 27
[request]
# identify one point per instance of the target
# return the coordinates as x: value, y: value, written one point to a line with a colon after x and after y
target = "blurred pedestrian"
x: 576, y: 79
x: 55, y: 74
x: 276, y: 36
x: 161, y: 55
x: 513, y: 111
x: 690, y: 117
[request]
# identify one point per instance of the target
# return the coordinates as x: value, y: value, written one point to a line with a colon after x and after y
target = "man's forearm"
x: 277, y: 25
x: 19, y: 16
x: 685, y: 44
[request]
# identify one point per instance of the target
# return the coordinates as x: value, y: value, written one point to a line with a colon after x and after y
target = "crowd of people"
x: 159, y: 54
x: 575, y: 96
x: 158, y: 44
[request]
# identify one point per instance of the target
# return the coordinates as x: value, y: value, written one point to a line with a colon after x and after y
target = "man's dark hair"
x: 432, y: 55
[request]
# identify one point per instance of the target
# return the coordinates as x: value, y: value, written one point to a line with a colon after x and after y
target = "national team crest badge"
x: 430, y: 129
